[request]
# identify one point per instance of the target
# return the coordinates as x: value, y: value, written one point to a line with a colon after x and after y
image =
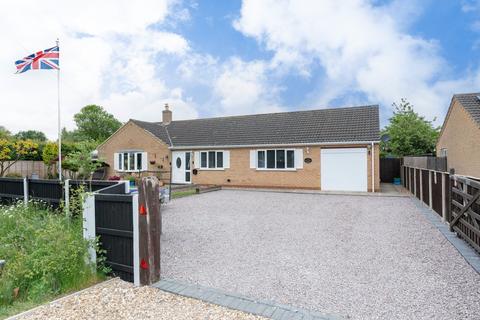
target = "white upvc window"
x: 276, y: 159
x: 130, y: 161
x: 211, y: 160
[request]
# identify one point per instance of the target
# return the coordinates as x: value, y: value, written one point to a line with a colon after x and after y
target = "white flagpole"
x: 59, y: 118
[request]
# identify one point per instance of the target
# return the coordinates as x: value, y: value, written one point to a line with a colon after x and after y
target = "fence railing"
x: 429, y: 163
x: 455, y: 198
x: 49, y: 191
x: 429, y: 186
x: 465, y: 209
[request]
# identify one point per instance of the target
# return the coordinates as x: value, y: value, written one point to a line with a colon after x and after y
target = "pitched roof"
x: 471, y: 103
x: 354, y: 124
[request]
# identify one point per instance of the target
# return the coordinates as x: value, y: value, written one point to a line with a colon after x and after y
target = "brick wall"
x: 240, y: 173
x: 461, y: 136
x: 131, y: 136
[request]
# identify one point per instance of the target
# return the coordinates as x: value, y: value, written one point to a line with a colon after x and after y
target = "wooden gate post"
x: 150, y: 228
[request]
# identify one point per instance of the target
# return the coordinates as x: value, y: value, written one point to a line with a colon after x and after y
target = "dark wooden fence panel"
x: 114, y: 226
x: 437, y: 188
x: 425, y: 187
x: 412, y: 180
x: 118, y: 188
x: 417, y: 183
x: 389, y: 169
x: 465, y: 209
x: 50, y: 191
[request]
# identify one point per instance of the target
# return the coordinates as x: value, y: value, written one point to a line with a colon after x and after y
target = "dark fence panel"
x: 114, y: 226
x: 425, y: 187
x: 389, y: 169
x: 118, y: 188
x: 437, y: 188
x: 50, y: 191
x: 417, y: 183
x: 93, y: 185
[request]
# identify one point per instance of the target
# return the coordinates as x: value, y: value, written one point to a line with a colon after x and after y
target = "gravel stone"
x: 360, y: 257
x: 117, y: 299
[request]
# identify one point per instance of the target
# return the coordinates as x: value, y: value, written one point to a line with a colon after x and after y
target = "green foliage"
x: 31, y: 135
x: 4, y: 133
x: 95, y: 124
x: 80, y: 161
x: 71, y: 136
x: 12, y: 151
x: 50, y: 156
x: 45, y: 252
x: 409, y: 133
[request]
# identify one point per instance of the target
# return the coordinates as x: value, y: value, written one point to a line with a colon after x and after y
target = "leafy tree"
x: 50, y: 156
x: 70, y: 136
x: 4, y: 133
x: 31, y: 135
x: 80, y: 161
x: 94, y: 123
x: 12, y: 151
x: 408, y: 133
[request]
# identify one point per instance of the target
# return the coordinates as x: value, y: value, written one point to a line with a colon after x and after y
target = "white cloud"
x: 243, y: 88
x: 362, y: 48
x: 109, y: 55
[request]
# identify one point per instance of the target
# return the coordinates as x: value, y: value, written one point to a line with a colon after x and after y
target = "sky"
x: 217, y: 58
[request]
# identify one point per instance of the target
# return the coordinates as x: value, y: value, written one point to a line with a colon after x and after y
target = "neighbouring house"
x: 327, y: 149
x: 459, y: 138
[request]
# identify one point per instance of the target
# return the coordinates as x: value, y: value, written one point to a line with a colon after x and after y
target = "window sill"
x: 131, y: 171
x: 211, y: 169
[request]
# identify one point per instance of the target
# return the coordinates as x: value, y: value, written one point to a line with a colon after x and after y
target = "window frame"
x: 275, y: 152
x: 124, y: 163
x: 207, y: 154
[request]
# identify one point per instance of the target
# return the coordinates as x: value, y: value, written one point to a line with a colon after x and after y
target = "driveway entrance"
x: 363, y: 257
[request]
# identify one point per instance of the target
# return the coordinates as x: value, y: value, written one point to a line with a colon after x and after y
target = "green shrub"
x: 45, y: 252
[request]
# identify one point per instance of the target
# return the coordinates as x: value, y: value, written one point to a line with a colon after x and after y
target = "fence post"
x: 444, y: 200
x: 67, y: 197
x: 89, y: 224
x: 136, y: 246
x: 127, y: 186
x: 150, y: 228
x: 25, y: 191
x: 415, y: 182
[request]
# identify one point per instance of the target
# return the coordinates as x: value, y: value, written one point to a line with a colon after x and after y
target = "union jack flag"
x: 46, y: 59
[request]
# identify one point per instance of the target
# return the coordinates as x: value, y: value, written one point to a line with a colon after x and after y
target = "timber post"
x: 149, y: 230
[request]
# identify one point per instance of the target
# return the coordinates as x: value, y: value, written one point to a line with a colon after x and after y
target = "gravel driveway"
x: 357, y: 256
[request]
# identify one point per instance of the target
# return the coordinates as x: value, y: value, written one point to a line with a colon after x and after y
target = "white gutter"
x: 373, y: 167
x: 273, y: 145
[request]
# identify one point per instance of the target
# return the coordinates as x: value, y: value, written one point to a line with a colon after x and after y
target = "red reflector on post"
x: 143, y: 211
x: 144, y: 264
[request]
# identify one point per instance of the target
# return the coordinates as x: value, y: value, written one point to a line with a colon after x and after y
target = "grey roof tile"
x: 299, y: 127
x: 471, y: 103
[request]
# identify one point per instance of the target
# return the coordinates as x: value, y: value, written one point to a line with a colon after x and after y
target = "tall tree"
x: 12, y: 151
x: 4, y: 133
x: 31, y: 135
x: 408, y: 133
x: 94, y: 123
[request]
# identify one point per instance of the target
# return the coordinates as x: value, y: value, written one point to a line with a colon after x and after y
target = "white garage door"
x: 344, y: 169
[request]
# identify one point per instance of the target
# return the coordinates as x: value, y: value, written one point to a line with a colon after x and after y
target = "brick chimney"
x: 166, y: 115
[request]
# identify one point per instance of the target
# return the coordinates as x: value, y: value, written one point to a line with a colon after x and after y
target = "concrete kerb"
x: 266, y: 309
x: 466, y: 251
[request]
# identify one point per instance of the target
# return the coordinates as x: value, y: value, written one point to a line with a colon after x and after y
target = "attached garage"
x: 344, y: 169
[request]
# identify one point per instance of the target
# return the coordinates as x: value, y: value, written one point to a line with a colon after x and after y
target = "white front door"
x: 181, y: 169
x: 344, y: 169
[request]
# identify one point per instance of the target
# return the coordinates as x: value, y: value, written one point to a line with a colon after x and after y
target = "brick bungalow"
x: 327, y: 149
x: 459, y: 139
